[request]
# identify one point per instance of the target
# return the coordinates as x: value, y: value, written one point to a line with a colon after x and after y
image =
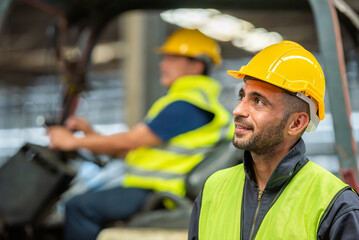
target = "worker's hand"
x: 61, y: 138
x: 79, y: 124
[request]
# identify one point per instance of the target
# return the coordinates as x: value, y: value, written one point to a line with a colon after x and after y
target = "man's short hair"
x: 207, y: 64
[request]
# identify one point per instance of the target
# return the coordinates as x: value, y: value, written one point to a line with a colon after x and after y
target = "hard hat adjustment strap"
x: 314, y: 119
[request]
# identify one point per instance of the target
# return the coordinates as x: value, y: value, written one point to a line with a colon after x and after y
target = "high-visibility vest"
x: 163, y: 168
x: 296, y: 212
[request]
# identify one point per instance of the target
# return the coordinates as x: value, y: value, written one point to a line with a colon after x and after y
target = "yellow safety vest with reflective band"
x: 296, y: 213
x: 163, y: 168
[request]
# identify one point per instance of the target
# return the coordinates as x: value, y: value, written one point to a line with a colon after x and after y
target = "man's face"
x: 259, y: 117
x: 173, y: 67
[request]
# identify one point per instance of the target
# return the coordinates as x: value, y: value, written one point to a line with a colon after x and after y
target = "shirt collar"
x: 285, y: 168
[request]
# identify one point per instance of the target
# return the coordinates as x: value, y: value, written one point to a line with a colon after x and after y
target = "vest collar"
x: 285, y: 168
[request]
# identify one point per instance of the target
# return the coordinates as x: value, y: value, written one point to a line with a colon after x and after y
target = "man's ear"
x: 298, y: 122
x: 197, y: 67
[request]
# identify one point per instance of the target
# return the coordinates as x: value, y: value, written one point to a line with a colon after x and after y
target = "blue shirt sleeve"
x: 177, y: 118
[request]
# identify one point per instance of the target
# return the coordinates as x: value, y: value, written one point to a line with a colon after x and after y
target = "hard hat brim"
x: 235, y: 74
x: 242, y: 73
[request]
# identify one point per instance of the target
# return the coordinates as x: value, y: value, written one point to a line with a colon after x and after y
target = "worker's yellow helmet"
x: 192, y: 43
x: 289, y: 66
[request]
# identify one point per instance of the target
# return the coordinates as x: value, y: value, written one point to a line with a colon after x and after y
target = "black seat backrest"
x: 223, y: 155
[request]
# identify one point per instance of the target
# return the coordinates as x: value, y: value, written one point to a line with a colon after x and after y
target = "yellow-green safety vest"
x: 295, y: 214
x: 163, y: 168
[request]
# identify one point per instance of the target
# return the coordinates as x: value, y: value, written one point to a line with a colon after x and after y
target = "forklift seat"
x: 223, y: 155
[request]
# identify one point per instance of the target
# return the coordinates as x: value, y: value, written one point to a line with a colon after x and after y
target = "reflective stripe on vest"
x: 296, y: 212
x: 162, y: 168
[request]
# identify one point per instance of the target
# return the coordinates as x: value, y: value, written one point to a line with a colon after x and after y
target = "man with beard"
x: 277, y: 193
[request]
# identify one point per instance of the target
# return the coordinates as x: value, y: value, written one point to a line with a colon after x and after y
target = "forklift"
x: 89, y: 18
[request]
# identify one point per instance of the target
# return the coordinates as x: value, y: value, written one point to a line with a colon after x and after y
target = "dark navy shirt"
x: 341, y: 223
x: 177, y: 118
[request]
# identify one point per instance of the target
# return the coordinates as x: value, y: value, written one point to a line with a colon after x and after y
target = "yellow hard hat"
x: 289, y: 66
x: 192, y: 43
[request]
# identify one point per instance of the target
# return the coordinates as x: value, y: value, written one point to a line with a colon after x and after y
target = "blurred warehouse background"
x: 121, y: 80
x: 122, y: 77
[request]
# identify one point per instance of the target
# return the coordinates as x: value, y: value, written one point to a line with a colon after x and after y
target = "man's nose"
x: 241, y: 109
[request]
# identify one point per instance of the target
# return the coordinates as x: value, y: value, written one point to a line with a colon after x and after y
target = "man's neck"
x: 264, y: 164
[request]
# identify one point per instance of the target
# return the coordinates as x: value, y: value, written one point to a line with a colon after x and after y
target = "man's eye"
x: 258, y: 101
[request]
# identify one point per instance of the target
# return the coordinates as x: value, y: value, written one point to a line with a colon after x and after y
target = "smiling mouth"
x: 242, y: 129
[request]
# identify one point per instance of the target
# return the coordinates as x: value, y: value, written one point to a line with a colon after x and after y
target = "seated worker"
x: 177, y: 132
x: 277, y: 193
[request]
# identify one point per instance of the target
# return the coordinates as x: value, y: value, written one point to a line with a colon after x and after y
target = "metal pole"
x: 4, y: 8
x: 332, y: 51
x: 143, y: 31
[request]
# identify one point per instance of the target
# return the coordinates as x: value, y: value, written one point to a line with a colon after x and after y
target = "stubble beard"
x: 262, y: 142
